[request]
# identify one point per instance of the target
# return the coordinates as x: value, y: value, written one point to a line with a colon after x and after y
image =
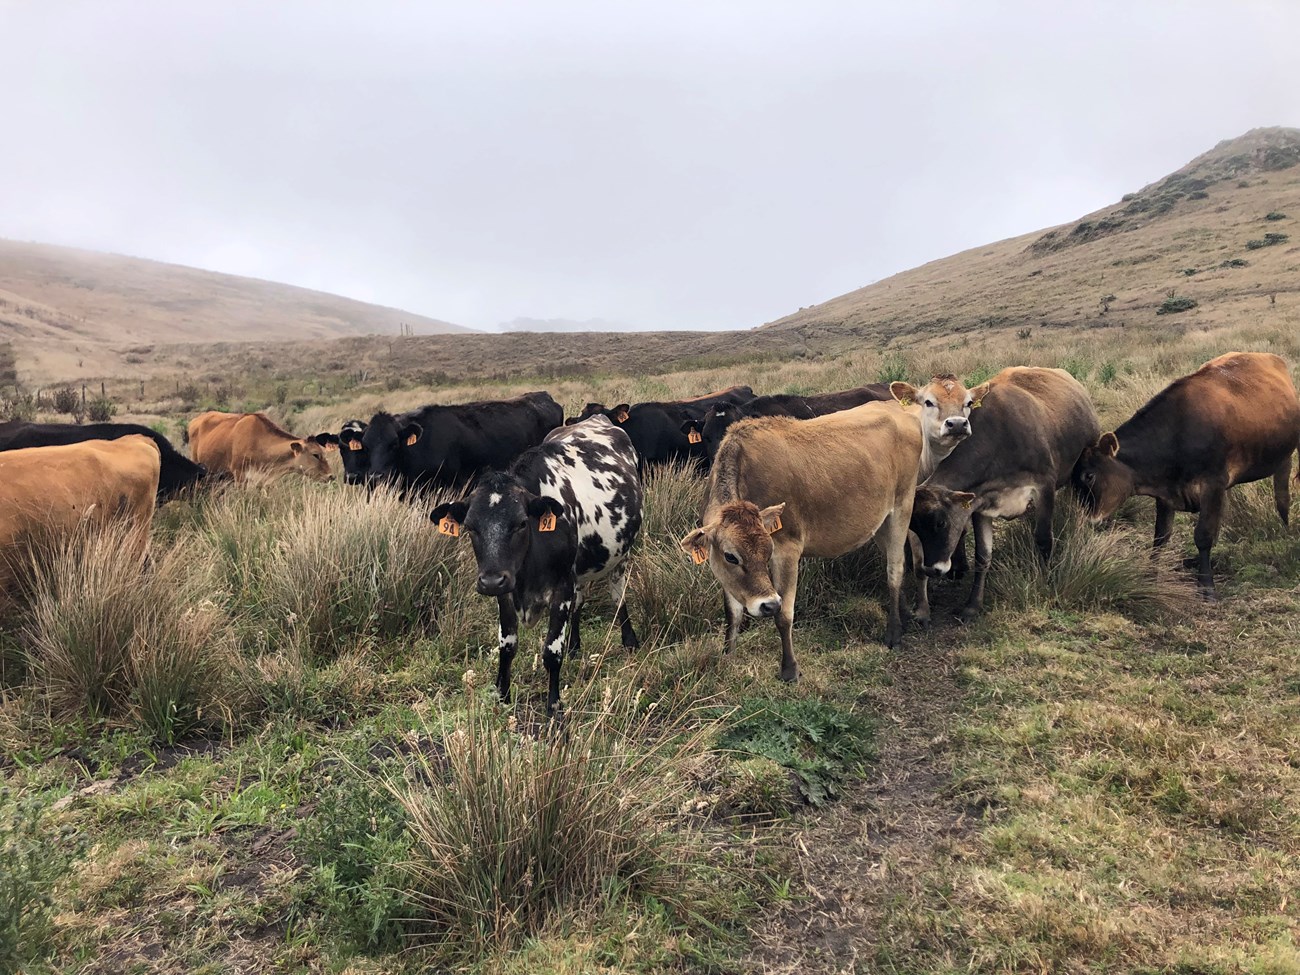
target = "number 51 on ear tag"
x: 546, y: 523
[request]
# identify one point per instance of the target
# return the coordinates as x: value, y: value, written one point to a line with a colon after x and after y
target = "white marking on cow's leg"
x: 553, y: 649
x: 618, y: 592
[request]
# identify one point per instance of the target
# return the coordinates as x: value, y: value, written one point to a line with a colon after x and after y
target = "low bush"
x: 1268, y: 240
x: 66, y: 400
x: 101, y: 410
x: 1275, y: 215
x: 1176, y: 303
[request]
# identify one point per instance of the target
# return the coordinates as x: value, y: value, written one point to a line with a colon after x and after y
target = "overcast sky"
x: 702, y: 165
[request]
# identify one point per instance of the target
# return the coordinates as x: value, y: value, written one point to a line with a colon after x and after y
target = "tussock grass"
x: 1091, y: 569
x: 519, y: 822
x: 126, y: 642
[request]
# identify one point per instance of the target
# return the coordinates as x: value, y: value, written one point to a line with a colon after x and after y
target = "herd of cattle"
x: 555, y: 505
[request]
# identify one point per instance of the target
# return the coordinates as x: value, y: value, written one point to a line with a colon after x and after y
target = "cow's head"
x: 504, y: 521
x: 178, y: 473
x: 384, y: 440
x: 1102, y: 481
x: 944, y: 405
x: 939, y: 516
x: 591, y: 409
x: 307, y: 457
x: 349, y: 442
x: 713, y: 427
x: 738, y: 547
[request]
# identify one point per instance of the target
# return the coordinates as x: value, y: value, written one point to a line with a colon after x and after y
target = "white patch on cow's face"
x: 494, y: 499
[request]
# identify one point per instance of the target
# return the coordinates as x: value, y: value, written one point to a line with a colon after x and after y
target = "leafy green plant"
x: 31, y: 863
x: 818, y: 742
x: 101, y: 410
x: 1174, y: 303
x: 892, y: 369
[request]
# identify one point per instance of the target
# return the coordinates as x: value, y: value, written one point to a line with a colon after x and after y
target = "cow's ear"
x: 327, y: 440
x: 570, y: 421
x: 1108, y: 444
x: 696, y: 544
x: 963, y: 498
x: 449, y: 517
x: 409, y: 434
x: 544, y: 511
x: 691, y: 426
x: 976, y: 395
x: 905, y: 393
x: 296, y: 447
x: 771, y: 518
x: 621, y: 412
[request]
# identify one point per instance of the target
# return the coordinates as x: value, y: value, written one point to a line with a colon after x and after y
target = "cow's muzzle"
x: 495, y: 583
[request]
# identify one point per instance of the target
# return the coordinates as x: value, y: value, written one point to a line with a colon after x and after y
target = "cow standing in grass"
x: 563, y: 517
x: 1233, y: 421
x: 236, y: 443
x: 1031, y: 426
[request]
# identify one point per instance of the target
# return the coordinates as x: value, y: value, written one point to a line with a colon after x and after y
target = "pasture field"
x: 276, y: 749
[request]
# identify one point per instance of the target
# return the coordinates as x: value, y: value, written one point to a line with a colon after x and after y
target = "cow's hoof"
x: 789, y: 674
x: 1209, y: 595
x: 633, y: 644
x: 967, y: 615
x: 893, y: 638
x: 921, y: 622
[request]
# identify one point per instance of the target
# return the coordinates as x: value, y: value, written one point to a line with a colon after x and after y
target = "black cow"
x: 656, y: 429
x: 451, y: 445
x: 564, y: 515
x: 178, y: 471
x: 352, y: 450
x: 1028, y: 431
x: 712, y: 427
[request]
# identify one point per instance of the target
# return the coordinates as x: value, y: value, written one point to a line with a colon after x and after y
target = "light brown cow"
x: 943, y: 406
x: 47, y: 492
x: 783, y: 488
x: 236, y: 443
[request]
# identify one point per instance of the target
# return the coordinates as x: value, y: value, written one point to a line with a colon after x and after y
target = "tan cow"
x: 783, y: 488
x: 943, y: 406
x: 236, y: 443
x: 47, y: 492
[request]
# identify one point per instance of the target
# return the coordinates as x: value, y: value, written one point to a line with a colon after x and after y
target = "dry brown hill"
x: 62, y: 306
x: 1189, y: 234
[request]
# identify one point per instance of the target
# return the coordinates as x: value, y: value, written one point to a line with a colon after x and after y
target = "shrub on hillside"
x: 1275, y: 215
x: 1234, y: 262
x: 101, y: 410
x: 66, y: 400
x: 1176, y: 303
x: 1268, y: 240
x: 19, y: 406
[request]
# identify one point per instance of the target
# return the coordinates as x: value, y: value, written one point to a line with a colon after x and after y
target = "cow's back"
x: 462, y: 440
x: 1045, y: 407
x: 839, y: 475
x: 211, y: 437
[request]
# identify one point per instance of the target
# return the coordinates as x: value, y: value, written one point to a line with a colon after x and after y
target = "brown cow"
x: 943, y: 406
x: 1031, y: 427
x: 1233, y: 421
x: 236, y: 443
x: 783, y: 488
x: 50, y: 491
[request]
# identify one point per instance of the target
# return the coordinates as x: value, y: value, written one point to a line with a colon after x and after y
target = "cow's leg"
x: 785, y: 579
x: 1044, y: 505
x: 982, y: 525
x: 1282, y: 490
x: 618, y: 592
x: 735, y: 617
x: 554, y: 644
x: 507, y: 643
x: 960, y: 564
x: 1206, y: 534
x: 891, y: 539
x: 1164, y: 522
x: 575, y: 624
x: 922, y: 614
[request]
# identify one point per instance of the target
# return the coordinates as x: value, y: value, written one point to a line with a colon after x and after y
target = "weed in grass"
x: 31, y: 863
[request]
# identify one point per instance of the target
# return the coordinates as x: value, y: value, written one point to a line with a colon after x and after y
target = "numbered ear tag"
x: 546, y: 523
x: 621, y: 416
x: 776, y: 524
x: 354, y: 445
x: 411, y: 439
x: 967, y: 504
x: 331, y: 446
x: 906, y: 401
x: 449, y: 527
x: 694, y: 436
x: 976, y: 404
x: 699, y: 553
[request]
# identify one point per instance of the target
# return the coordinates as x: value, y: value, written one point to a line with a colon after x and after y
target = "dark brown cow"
x: 1030, y: 428
x: 782, y: 489
x: 1234, y: 420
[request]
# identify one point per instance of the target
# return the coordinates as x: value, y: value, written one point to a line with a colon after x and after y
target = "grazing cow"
x: 236, y: 443
x: 178, y: 471
x: 656, y: 429
x: 712, y: 427
x: 782, y: 489
x: 47, y: 491
x: 352, y: 451
x: 1234, y: 420
x: 451, y: 445
x: 1031, y: 426
x: 565, y: 515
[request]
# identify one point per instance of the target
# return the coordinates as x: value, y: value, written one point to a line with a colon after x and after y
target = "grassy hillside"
x: 64, y: 308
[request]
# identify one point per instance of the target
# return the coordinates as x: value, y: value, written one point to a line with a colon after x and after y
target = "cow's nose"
x: 956, y: 425
x: 770, y: 607
x: 494, y: 583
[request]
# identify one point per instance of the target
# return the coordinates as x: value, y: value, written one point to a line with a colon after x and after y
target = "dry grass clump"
x: 520, y: 823
x: 127, y: 642
x: 1112, y: 568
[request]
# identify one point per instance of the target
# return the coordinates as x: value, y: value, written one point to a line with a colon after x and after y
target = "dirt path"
x: 871, y: 845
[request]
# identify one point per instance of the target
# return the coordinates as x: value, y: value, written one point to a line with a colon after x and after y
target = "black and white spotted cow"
x: 562, y: 517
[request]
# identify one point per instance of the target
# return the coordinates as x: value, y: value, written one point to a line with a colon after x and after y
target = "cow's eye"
x: 731, y: 558
x: 1089, y: 477
x: 929, y: 404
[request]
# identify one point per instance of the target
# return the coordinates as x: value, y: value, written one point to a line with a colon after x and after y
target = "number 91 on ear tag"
x: 546, y: 523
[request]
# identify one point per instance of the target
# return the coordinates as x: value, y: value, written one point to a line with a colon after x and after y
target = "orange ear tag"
x: 694, y: 436
x: 546, y: 523
x: 354, y: 445
x: 967, y: 505
x: 776, y: 527
x: 699, y: 553
x: 411, y: 439
x: 621, y: 416
x: 449, y: 527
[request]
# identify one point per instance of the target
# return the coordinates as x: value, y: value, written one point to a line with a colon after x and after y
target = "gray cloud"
x: 671, y: 165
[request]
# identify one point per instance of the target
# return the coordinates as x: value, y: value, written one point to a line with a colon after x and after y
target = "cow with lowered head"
x: 351, y: 448
x: 1233, y: 421
x: 451, y: 445
x: 178, y: 471
x: 564, y: 516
